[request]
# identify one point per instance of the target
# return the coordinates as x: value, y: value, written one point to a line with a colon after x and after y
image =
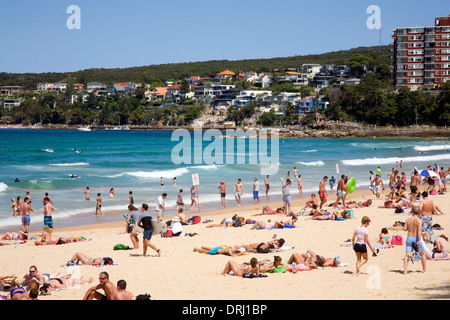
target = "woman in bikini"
x: 240, y: 269
x: 81, y: 258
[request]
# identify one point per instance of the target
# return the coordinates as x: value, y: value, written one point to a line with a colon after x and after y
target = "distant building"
x: 307, y: 104
x: 45, y: 86
x: 311, y: 69
x: 96, y: 86
x: 9, y: 104
x: 158, y: 93
x: 225, y: 74
x: 79, y: 87
x: 11, y: 90
x: 422, y: 55
x: 247, y: 96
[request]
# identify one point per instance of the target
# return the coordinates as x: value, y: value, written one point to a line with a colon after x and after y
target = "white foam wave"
x: 205, y: 167
x: 432, y: 148
x: 392, y: 160
x: 152, y: 174
x: 3, y: 186
x: 312, y: 163
x: 70, y: 164
x: 309, y: 151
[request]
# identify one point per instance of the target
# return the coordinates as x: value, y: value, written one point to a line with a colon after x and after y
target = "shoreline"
x: 297, y: 132
x: 229, y: 211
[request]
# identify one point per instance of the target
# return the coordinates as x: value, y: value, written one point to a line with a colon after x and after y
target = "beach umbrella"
x: 429, y: 173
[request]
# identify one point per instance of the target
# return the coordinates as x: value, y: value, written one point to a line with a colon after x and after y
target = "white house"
x: 44, y: 86
x: 311, y: 69
x: 247, y: 96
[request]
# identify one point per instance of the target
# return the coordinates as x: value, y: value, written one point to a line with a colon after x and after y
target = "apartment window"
x: 445, y: 29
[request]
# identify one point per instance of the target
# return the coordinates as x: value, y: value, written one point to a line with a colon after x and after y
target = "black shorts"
x: 222, y: 194
x: 361, y: 248
x: 413, y: 189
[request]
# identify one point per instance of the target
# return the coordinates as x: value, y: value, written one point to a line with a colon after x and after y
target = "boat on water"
x: 47, y: 149
x: 86, y: 128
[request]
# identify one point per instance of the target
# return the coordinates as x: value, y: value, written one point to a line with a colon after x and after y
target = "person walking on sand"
x: 180, y: 202
x: 377, y: 182
x: 238, y: 192
x: 323, y: 192
x: 392, y: 182
x: 98, y: 207
x: 146, y: 224
x: 193, y: 197
x: 340, y: 192
x: 360, y: 243
x: 413, y: 241
x: 223, y: 190
x: 442, y: 175
x: 48, y: 210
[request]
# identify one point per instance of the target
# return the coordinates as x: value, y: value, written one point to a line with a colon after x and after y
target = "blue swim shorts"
x: 214, y: 250
x: 287, y: 199
x: 48, y: 221
x: 409, y: 242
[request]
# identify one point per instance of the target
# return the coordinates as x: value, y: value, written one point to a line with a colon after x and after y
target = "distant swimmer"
x: 17, y: 180
x: 73, y: 176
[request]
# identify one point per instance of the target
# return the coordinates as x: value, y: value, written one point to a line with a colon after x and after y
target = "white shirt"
x: 361, y: 235
x: 256, y: 186
x: 159, y: 203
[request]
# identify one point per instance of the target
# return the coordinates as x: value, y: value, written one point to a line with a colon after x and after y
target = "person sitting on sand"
x: 440, y: 249
x: 46, y: 237
x: 17, y: 291
x: 182, y: 216
x: 107, y: 286
x: 82, y: 258
x: 312, y: 201
x: 384, y: 237
x: 122, y: 293
x: 240, y: 269
x: 314, y: 211
x: 32, y: 276
x: 233, y: 252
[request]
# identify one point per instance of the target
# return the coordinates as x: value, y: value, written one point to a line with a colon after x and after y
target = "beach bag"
x: 433, y: 192
x: 397, y: 240
x: 237, y: 223
x: 196, y: 219
x: 399, y: 210
x: 121, y: 247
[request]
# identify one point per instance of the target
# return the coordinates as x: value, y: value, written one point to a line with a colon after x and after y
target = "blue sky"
x: 120, y: 34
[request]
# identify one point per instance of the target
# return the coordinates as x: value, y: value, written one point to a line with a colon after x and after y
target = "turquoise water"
x: 135, y: 160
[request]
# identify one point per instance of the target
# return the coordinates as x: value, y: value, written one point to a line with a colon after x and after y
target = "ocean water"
x: 135, y: 161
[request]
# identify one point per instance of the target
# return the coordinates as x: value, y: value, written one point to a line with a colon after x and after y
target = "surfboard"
x: 159, y: 227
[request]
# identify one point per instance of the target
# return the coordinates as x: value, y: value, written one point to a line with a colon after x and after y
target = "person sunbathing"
x: 82, y: 258
x: 241, y: 269
x: 23, y: 236
x: 359, y: 204
x: 266, y: 210
x: 273, y: 267
x: 330, y: 215
x: 228, y: 251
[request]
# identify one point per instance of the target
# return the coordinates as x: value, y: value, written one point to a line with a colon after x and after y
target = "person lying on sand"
x: 264, y: 247
x: 272, y: 225
x: 228, y: 251
x: 312, y: 260
x: 330, y: 215
x: 241, y: 269
x: 266, y: 210
x: 82, y: 258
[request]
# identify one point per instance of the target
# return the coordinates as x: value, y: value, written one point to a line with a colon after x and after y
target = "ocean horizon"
x: 136, y: 160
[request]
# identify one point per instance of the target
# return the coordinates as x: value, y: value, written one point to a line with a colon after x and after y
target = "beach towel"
x: 283, y: 248
x: 375, y: 246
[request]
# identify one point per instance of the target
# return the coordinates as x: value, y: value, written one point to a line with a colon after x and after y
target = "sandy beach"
x: 181, y: 274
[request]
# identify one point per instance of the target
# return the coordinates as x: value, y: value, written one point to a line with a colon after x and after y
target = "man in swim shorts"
x: 413, y: 241
x: 322, y: 192
x: 48, y: 210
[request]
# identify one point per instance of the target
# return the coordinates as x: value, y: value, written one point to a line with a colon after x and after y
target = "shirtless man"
x: 392, y: 181
x: 223, y: 189
x: 415, y: 180
x: 340, y: 191
x: 48, y: 210
x: 378, y: 183
x: 440, y: 247
x: 238, y: 191
x: 442, y: 175
x: 300, y: 184
x: 426, y: 209
x: 322, y: 192
x: 122, y: 293
x: 266, y: 183
x: 98, y: 208
x: 107, y: 286
x: 26, y: 208
x: 33, y: 275
x: 414, y: 226
x: 312, y: 201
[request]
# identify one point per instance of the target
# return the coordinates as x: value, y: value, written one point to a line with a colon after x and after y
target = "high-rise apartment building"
x: 422, y: 55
